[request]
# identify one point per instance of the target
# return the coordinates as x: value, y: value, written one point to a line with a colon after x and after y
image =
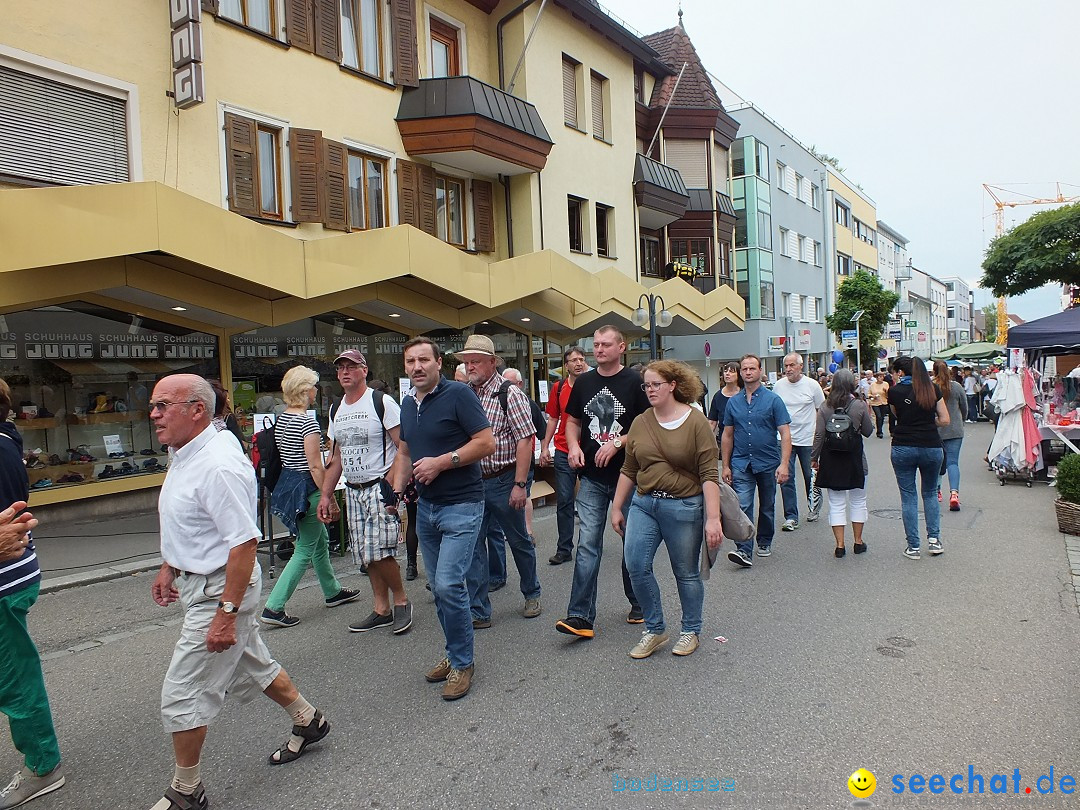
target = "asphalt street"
x: 902, y: 667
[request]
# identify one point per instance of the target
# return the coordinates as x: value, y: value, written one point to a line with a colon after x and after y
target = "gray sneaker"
x: 933, y: 545
x: 764, y: 551
x: 650, y: 643
x: 26, y: 786
x: 789, y: 526
x: 912, y: 553
x: 371, y: 622
x: 402, y: 618
x: 739, y: 558
x: 532, y: 608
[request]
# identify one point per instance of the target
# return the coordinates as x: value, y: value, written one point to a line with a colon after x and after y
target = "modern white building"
x: 958, y: 303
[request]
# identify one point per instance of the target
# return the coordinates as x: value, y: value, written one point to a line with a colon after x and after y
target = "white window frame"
x: 35, y: 65
x: 283, y: 154
x: 446, y: 19
x: 783, y: 241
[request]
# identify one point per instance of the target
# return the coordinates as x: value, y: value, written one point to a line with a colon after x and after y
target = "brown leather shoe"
x: 439, y: 673
x: 458, y: 683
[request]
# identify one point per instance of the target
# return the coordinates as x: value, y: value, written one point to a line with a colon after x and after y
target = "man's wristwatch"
x: 522, y: 484
x: 455, y: 459
x: 227, y: 607
x: 616, y: 442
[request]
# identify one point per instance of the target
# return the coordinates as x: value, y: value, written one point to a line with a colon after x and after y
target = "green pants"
x: 312, y: 548
x: 22, y: 685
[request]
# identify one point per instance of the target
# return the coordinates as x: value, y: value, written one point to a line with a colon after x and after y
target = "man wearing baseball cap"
x: 363, y: 433
x: 505, y: 474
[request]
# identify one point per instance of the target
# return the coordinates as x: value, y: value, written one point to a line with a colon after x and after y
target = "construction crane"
x: 999, y: 228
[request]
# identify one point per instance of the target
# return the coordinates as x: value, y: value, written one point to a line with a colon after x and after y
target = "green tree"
x: 1041, y: 250
x: 990, y: 318
x: 863, y: 291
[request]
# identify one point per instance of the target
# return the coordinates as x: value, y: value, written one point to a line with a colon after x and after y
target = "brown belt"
x: 497, y: 472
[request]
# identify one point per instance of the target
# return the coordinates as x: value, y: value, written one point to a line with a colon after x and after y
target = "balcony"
x: 659, y: 192
x: 472, y: 126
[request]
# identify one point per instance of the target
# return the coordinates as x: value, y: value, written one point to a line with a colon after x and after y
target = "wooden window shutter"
x: 210, y: 6
x: 305, y: 170
x: 300, y: 24
x: 336, y: 184
x: 483, y: 216
x: 569, y: 90
x: 425, y: 195
x: 327, y: 29
x: 403, y: 36
x: 597, y: 85
x: 242, y: 165
x: 408, y: 204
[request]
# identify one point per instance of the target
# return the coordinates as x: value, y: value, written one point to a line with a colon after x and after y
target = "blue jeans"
x: 496, y: 552
x: 788, y: 491
x: 952, y: 460
x: 565, y: 481
x: 593, y: 501
x: 973, y: 407
x: 745, y: 482
x: 448, y: 536
x: 927, y: 460
x: 497, y: 510
x: 679, y: 523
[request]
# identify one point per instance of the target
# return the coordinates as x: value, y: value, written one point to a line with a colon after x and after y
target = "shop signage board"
x: 802, y: 340
x: 776, y: 343
x: 113, y: 446
x: 188, y: 86
x: 404, y: 385
x: 142, y: 345
x: 911, y: 324
x: 895, y: 334
x: 544, y: 395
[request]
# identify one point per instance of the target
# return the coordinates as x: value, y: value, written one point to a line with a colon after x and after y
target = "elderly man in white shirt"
x: 803, y: 397
x: 209, y: 534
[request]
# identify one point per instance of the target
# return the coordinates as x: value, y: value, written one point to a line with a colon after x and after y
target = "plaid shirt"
x: 508, y: 428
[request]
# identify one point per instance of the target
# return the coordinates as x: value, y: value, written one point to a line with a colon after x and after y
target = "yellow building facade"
x: 854, y: 221
x: 234, y: 186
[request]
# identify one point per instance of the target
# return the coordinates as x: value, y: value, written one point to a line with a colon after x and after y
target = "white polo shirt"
x: 207, y: 503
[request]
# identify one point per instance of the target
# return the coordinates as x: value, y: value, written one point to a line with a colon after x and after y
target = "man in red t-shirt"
x: 565, y: 477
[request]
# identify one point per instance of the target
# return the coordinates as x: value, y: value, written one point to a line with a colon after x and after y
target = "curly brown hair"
x: 688, y: 386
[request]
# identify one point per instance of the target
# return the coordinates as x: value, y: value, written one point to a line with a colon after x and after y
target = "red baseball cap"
x: 353, y: 356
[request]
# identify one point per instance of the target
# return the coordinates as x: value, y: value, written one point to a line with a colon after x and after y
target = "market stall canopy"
x: 1052, y: 335
x: 982, y: 350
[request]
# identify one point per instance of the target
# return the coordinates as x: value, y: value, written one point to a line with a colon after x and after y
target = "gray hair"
x: 796, y: 355
x: 204, y: 393
x: 513, y: 375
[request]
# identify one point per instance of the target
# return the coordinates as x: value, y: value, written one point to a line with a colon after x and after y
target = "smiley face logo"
x: 862, y: 784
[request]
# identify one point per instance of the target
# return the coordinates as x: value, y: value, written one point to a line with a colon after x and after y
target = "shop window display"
x: 81, y: 377
x: 261, y: 357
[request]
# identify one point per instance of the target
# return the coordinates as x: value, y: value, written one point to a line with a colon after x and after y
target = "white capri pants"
x: 843, y: 501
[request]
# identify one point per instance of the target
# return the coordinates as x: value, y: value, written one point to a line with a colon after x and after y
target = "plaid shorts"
x: 374, y: 533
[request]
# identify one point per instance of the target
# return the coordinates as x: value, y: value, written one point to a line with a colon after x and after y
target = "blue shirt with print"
x: 443, y: 422
x: 754, y: 426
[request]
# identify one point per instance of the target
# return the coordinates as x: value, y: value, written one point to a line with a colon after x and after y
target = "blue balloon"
x: 833, y: 367
x: 838, y: 355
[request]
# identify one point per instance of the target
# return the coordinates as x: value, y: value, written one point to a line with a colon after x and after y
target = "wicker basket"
x: 1068, y: 516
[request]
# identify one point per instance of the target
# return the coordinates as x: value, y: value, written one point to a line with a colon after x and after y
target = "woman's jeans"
x: 880, y: 412
x: 312, y: 548
x: 952, y: 460
x: 678, y: 523
x: 927, y: 461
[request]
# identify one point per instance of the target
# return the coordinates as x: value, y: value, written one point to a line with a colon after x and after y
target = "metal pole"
x: 858, y: 355
x: 652, y: 326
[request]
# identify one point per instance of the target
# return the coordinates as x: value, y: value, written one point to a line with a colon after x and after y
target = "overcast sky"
x: 922, y: 102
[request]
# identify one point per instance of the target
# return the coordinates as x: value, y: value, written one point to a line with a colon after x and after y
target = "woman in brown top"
x: 672, y: 472
x: 879, y: 400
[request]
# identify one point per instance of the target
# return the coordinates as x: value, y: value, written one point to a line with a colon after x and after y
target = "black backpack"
x: 268, y: 463
x: 841, y: 435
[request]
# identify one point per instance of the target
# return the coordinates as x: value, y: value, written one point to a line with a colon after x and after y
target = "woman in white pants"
x: 843, y: 471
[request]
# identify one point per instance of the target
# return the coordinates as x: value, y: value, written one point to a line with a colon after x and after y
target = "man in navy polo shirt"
x: 444, y: 434
x: 750, y: 455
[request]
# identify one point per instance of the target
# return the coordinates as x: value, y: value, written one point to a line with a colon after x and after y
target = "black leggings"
x: 411, y: 540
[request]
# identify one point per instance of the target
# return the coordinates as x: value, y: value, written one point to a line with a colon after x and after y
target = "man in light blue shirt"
x: 751, y: 458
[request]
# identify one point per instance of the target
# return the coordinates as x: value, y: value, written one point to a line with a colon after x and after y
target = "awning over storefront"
x: 145, y: 247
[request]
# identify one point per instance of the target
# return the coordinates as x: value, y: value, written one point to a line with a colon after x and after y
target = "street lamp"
x: 651, y: 317
x: 855, y: 320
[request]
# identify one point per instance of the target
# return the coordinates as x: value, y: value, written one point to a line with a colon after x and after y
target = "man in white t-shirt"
x: 208, y: 539
x: 803, y: 397
x: 363, y: 433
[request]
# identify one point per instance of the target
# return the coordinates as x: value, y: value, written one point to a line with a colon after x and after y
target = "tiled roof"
x: 695, y: 89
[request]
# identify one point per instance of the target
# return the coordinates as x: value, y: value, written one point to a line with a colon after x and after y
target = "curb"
x: 53, y: 584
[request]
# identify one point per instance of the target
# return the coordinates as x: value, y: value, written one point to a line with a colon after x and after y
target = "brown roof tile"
x: 695, y: 89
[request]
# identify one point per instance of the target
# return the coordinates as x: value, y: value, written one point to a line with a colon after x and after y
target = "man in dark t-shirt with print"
x: 444, y: 434
x: 601, y: 408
